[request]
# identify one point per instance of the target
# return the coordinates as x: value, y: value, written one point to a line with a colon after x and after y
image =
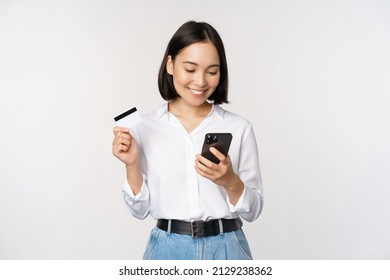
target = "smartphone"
x: 220, y: 141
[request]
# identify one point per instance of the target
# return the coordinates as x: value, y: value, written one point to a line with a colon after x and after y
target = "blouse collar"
x: 163, y: 111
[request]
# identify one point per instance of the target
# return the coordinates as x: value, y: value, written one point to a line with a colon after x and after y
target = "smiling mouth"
x: 197, y: 92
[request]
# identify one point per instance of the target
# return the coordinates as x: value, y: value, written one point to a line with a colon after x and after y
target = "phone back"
x: 220, y: 141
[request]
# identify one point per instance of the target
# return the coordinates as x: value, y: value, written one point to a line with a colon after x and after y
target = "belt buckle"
x: 197, y: 229
x: 193, y: 229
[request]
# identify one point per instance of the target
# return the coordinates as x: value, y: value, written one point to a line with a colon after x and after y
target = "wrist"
x: 132, y: 166
x: 234, y: 183
x: 134, y: 178
x: 234, y: 189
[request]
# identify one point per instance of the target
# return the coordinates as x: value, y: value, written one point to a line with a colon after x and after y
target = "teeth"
x: 197, y: 91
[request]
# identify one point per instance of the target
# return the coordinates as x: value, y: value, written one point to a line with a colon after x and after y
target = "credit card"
x: 129, y: 118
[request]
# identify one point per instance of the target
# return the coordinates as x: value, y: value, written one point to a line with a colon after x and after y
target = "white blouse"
x: 172, y: 189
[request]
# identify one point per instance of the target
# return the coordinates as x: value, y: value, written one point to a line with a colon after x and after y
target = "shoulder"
x: 150, y: 119
x: 232, y: 118
x: 156, y: 113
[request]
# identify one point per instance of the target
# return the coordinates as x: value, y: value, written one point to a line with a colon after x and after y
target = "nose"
x: 200, y: 80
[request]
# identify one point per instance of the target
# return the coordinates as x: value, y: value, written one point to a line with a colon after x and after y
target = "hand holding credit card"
x: 129, y: 118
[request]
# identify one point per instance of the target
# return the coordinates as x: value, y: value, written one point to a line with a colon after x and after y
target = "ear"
x: 169, y: 65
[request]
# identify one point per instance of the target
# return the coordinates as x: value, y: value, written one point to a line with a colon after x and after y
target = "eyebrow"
x: 193, y: 63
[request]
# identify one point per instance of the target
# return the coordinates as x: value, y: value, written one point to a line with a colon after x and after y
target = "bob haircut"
x: 190, y: 33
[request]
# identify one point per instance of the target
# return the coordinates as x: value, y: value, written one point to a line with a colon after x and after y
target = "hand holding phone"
x: 220, y: 141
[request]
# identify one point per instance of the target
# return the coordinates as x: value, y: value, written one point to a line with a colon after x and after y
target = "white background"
x: 313, y: 77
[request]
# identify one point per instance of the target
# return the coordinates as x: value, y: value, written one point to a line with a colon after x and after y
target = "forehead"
x: 202, y: 53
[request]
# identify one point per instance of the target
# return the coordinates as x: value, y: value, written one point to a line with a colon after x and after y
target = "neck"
x: 183, y: 110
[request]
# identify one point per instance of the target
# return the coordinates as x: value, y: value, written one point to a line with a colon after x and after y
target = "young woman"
x: 197, y: 203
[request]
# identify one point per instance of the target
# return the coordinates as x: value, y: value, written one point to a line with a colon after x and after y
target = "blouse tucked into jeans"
x: 172, y: 189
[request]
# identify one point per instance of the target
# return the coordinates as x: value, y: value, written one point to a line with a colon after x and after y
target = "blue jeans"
x: 171, y: 246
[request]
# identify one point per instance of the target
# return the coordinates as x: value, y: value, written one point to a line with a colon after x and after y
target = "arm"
x: 221, y: 174
x: 125, y: 148
x: 243, y: 187
x: 135, y: 191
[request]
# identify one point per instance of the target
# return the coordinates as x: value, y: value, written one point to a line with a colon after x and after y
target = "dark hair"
x: 189, y: 33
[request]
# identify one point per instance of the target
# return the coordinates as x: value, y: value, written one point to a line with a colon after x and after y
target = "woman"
x: 198, y: 204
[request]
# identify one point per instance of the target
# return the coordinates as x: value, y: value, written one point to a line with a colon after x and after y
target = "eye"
x: 190, y: 70
x: 212, y: 73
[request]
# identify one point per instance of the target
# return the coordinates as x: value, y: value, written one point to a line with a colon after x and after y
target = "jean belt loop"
x: 220, y: 226
x: 169, y: 226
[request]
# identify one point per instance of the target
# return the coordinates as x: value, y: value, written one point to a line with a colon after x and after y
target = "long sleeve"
x: 250, y: 203
x: 139, y: 205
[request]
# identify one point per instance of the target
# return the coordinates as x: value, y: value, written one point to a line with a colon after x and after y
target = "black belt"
x: 200, y: 228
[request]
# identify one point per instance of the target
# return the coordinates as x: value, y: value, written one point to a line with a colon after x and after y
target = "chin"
x: 196, y: 103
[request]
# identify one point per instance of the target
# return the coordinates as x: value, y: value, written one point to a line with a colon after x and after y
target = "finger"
x: 122, y: 138
x: 123, y: 147
x: 200, y: 168
x: 119, y: 149
x: 121, y: 133
x: 121, y: 141
x: 205, y: 161
x: 217, y: 154
x: 121, y: 129
x: 207, y: 172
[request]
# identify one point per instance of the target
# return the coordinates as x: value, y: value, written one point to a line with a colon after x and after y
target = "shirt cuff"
x: 240, y: 205
x: 142, y: 195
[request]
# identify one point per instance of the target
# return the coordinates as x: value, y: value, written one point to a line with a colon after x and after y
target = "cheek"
x: 181, y: 78
x: 214, y: 81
